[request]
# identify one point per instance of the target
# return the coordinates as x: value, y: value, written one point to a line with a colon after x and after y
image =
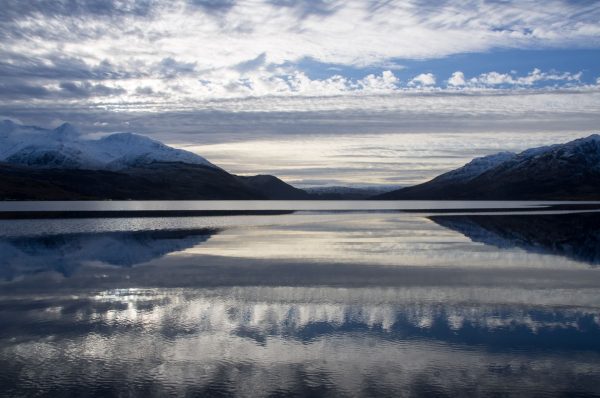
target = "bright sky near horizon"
x: 318, y: 92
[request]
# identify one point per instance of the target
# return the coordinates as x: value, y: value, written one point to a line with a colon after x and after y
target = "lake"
x: 306, y: 299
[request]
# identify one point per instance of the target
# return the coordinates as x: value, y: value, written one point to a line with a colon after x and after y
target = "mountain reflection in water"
x: 575, y: 236
x: 65, y: 253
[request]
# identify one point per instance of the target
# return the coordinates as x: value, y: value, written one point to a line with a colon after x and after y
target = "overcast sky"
x: 314, y: 91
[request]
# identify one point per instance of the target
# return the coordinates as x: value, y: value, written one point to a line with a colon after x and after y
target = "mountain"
x: 64, y: 147
x: 61, y: 164
x: 344, y: 193
x: 475, y: 167
x: 156, y: 181
x: 569, y: 171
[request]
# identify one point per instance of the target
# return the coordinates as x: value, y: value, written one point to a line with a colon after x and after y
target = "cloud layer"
x: 195, y: 50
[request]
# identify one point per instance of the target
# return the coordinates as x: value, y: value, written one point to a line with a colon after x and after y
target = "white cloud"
x: 535, y: 76
x: 424, y: 79
x: 457, y: 79
x: 492, y: 79
x: 389, y: 66
x: 373, y: 83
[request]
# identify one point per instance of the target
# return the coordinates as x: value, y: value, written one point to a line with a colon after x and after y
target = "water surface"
x: 314, y: 205
x: 370, y: 303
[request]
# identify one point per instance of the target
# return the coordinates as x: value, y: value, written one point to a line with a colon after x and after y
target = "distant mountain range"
x: 568, y: 171
x: 61, y: 164
x: 345, y: 193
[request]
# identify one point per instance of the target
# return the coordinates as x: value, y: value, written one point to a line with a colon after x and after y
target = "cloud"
x: 457, y: 79
x: 158, y: 56
x: 86, y: 89
x: 16, y: 9
x: 170, y: 68
x: 64, y: 90
x: 306, y: 8
x: 533, y: 77
x: 60, y: 66
x: 146, y: 90
x: 412, y: 111
x: 213, y: 6
x: 493, y: 79
x: 20, y: 90
x: 424, y: 79
x: 251, y: 64
x: 386, y: 82
x: 290, y: 30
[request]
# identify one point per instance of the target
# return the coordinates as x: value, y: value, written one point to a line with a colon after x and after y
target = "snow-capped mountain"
x: 65, y: 147
x: 62, y: 164
x: 561, y: 171
x: 580, y: 155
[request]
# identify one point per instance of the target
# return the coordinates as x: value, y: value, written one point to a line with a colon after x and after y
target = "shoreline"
x: 66, y: 214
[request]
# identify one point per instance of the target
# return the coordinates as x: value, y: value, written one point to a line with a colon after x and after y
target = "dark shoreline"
x: 53, y: 214
x: 27, y: 215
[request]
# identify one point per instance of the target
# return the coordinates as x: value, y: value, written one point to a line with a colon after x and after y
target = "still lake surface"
x: 327, y: 299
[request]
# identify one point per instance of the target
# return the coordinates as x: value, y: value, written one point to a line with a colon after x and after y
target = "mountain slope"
x: 273, y: 188
x: 569, y: 171
x: 157, y: 181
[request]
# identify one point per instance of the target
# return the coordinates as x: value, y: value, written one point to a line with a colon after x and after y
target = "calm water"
x: 320, y: 303
x: 303, y: 205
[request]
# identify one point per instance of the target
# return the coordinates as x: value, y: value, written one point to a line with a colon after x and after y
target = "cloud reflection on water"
x: 259, y: 341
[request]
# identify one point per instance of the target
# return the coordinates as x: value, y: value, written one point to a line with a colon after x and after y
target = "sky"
x: 317, y: 92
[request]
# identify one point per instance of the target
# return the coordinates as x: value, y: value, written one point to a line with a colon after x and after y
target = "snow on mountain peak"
x: 129, y: 149
x: 586, y: 151
x: 592, y: 137
x: 64, y: 147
